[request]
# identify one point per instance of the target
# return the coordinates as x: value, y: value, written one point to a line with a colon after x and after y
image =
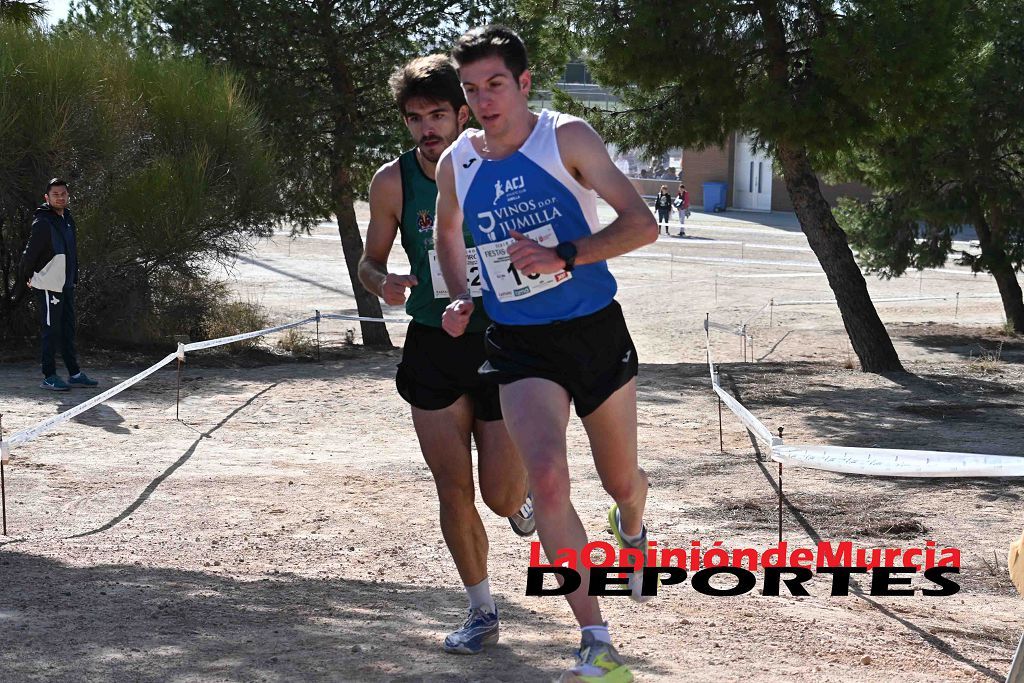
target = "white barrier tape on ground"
x: 818, y: 302
x: 879, y: 462
x: 738, y: 331
x: 48, y: 424
x: 26, y: 435
x: 744, y: 415
x: 363, y: 319
x: 711, y: 363
x: 764, y: 276
x: 221, y: 341
x: 885, y: 462
x: 756, y: 313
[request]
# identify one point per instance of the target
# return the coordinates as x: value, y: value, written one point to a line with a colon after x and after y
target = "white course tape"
x: 818, y: 302
x: 738, y: 331
x: 886, y: 462
x: 48, y: 424
x: 220, y: 341
x: 23, y: 436
x: 756, y: 313
x: 363, y: 319
x: 745, y: 416
x: 761, y: 276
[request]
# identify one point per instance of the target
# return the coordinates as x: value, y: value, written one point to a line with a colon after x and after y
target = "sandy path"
x: 284, y: 530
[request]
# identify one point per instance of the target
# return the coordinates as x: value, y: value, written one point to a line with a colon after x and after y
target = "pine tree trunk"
x: 345, y: 118
x: 827, y: 240
x: 870, y: 341
x: 998, y: 263
x: 374, y: 334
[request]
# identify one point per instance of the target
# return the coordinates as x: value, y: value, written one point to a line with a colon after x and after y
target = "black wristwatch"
x: 567, y: 252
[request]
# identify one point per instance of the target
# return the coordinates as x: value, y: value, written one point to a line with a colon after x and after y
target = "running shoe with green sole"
x: 636, y: 578
x: 597, y: 662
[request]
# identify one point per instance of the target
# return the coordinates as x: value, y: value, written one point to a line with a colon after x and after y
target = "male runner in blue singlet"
x: 450, y: 401
x: 527, y: 185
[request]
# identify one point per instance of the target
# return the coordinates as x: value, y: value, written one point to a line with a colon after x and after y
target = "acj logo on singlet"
x: 511, y: 187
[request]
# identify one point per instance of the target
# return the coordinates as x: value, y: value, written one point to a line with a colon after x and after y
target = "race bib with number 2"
x: 472, y: 274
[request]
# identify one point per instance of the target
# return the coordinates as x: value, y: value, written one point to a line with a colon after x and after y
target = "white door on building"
x: 752, y: 181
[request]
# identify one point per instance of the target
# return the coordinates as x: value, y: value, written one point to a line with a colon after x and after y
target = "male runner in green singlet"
x: 451, y: 402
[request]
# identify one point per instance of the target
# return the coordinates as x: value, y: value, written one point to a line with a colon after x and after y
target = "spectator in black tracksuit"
x: 53, y: 233
x: 663, y: 203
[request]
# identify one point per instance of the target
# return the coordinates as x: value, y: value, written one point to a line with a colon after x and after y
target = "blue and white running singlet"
x: 532, y: 192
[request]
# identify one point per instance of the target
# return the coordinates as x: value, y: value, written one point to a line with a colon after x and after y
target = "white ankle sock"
x: 632, y: 540
x: 480, y: 596
x: 600, y: 632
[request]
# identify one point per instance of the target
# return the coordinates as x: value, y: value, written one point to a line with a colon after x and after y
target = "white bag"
x: 52, y: 276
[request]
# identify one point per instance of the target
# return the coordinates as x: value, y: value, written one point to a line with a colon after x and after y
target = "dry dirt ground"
x: 284, y: 529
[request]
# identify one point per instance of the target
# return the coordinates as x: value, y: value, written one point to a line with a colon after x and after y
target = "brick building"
x: 752, y: 181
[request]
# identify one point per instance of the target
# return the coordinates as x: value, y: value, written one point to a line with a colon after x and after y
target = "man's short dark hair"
x: 56, y: 182
x: 492, y: 41
x: 432, y: 78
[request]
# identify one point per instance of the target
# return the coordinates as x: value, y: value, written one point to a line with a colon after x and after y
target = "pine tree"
x: 960, y: 162
x: 805, y: 78
x: 320, y: 71
x: 22, y: 13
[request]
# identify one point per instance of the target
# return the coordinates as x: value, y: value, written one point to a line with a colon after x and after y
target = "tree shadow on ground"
x: 127, y: 622
x: 669, y: 384
x: 980, y: 343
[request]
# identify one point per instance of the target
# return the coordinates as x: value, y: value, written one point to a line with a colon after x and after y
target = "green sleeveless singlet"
x: 419, y: 199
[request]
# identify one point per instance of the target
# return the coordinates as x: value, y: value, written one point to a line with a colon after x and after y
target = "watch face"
x: 567, y: 252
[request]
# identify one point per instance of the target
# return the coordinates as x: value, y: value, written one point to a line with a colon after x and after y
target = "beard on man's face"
x: 432, y: 146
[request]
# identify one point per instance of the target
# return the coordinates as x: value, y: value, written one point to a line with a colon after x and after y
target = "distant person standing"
x: 663, y: 203
x: 49, y: 265
x: 682, y: 204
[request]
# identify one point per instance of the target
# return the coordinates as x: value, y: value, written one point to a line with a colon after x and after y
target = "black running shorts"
x: 437, y: 369
x: 591, y: 357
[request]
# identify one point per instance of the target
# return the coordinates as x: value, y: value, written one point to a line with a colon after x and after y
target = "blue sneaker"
x: 523, y: 522
x: 481, y: 628
x: 54, y: 383
x: 82, y: 380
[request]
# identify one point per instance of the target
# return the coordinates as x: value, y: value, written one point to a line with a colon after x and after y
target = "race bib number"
x: 472, y: 274
x: 508, y: 283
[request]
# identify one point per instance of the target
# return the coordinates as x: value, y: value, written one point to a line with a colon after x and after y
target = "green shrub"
x: 168, y: 168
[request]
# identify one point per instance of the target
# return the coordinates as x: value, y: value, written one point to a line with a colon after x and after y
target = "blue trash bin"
x: 714, y: 196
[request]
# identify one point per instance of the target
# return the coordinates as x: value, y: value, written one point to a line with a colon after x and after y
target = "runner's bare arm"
x: 385, y: 206
x: 451, y: 249
x: 584, y: 155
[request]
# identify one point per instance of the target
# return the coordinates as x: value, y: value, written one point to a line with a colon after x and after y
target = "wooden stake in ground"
x: 177, y: 395
x: 3, y: 484
x: 318, y: 336
x: 780, y: 502
x: 780, y: 492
